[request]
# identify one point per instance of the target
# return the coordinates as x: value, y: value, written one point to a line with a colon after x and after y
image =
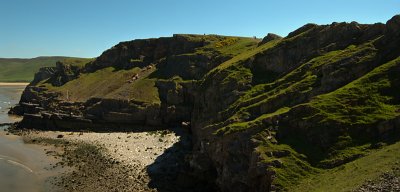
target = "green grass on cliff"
x: 296, y: 174
x: 234, y: 70
x: 23, y: 70
x: 232, y: 46
x: 350, y: 176
x: 223, y: 45
x: 293, y: 168
x: 367, y: 100
x: 361, y: 53
x: 80, y: 62
x: 110, y: 83
x: 240, y: 126
x: 243, y: 56
x: 194, y: 65
x: 293, y: 165
x: 372, y: 98
x: 113, y: 83
x: 293, y: 88
x: 302, y: 79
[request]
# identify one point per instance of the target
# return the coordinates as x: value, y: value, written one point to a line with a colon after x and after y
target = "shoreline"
x: 107, y: 161
x: 33, y: 159
x: 14, y: 84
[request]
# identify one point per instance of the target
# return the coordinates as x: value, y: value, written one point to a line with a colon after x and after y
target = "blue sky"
x: 85, y: 28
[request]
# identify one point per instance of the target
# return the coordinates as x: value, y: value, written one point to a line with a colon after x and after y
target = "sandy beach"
x: 13, y: 84
x: 108, y: 161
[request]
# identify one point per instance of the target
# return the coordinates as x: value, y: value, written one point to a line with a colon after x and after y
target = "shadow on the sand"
x: 171, y: 171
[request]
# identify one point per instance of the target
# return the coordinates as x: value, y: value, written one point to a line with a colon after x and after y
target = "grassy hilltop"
x: 23, y: 70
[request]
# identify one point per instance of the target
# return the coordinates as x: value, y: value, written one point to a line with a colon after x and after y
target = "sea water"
x: 22, y: 166
x: 9, y: 96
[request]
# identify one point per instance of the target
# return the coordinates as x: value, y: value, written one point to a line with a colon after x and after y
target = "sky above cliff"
x: 85, y: 28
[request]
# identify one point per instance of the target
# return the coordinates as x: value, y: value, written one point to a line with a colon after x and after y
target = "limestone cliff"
x: 263, y: 114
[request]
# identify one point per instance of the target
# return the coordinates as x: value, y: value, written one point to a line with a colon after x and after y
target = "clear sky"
x: 85, y: 28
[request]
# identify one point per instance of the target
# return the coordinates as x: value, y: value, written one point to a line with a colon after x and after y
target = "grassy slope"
x: 112, y: 83
x: 291, y: 86
x: 23, y: 70
x: 220, y: 46
x: 350, y: 176
x: 363, y: 101
x: 367, y: 100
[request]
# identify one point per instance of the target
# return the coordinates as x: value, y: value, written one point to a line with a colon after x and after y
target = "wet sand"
x: 23, y: 167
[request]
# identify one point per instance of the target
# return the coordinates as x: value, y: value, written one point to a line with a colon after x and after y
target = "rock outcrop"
x: 257, y: 110
x: 268, y: 38
x: 303, y: 65
x: 174, y: 64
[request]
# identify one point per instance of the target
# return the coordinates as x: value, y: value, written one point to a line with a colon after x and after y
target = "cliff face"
x: 146, y: 82
x: 319, y: 90
x: 144, y: 52
x: 263, y: 114
x: 167, y: 53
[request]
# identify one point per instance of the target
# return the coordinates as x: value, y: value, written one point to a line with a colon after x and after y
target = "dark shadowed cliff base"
x: 317, y: 110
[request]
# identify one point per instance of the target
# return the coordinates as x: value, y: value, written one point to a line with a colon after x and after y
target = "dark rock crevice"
x: 173, y: 172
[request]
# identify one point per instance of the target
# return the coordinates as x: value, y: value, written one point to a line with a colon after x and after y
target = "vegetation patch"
x: 350, y: 176
x: 244, y: 55
x: 367, y: 100
x: 109, y: 83
x: 226, y: 42
x: 256, y: 123
x: 79, y: 62
x: 289, y: 165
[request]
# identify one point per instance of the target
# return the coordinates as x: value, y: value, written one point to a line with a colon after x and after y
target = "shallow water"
x: 9, y: 96
x: 23, y: 167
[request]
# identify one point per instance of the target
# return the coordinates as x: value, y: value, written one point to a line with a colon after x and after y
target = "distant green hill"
x: 23, y: 70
